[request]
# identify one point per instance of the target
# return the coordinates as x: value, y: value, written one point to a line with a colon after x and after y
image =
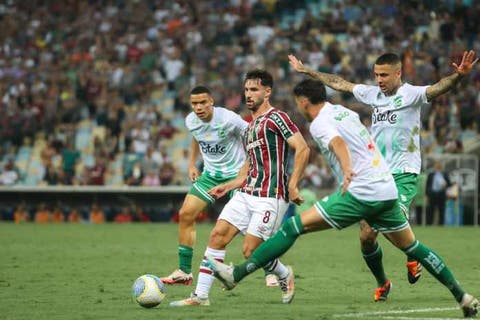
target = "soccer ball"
x: 148, y: 290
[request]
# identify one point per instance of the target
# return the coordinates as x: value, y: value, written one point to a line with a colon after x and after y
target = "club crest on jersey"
x: 389, y: 116
x: 212, y: 148
x: 220, y: 131
x: 397, y: 101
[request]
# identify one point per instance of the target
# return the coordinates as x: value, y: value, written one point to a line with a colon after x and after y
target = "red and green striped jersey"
x: 267, y: 151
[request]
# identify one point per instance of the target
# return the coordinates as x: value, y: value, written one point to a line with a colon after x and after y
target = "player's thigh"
x: 386, y: 216
x: 340, y: 210
x: 203, y: 184
x: 237, y: 212
x: 312, y: 221
x: 407, y: 190
x: 267, y: 216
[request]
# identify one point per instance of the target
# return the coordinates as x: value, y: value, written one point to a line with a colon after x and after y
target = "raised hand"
x: 466, y: 64
x: 296, y: 64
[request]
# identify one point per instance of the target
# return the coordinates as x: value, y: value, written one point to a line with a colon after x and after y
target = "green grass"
x: 86, y: 271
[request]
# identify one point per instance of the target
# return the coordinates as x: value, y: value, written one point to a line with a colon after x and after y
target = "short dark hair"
x: 265, y: 77
x: 388, y: 58
x: 313, y: 90
x: 200, y: 90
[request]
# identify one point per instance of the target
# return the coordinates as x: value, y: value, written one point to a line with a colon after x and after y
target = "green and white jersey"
x: 396, y: 124
x: 220, y: 141
x: 373, y: 180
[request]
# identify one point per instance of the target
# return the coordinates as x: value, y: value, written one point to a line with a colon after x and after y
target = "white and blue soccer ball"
x: 148, y: 290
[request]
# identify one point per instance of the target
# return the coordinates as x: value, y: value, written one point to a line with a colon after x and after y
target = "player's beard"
x: 256, y: 105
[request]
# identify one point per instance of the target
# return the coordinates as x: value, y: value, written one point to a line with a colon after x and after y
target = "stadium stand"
x: 112, y: 77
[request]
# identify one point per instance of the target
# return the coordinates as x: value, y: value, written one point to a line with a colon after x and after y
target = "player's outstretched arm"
x: 331, y: 80
x: 340, y: 148
x: 447, y: 83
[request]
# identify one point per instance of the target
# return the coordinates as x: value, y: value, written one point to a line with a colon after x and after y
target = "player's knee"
x: 186, y: 217
x: 368, y: 237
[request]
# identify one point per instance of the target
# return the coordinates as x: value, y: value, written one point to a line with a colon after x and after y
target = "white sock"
x: 205, y: 277
x: 278, y: 268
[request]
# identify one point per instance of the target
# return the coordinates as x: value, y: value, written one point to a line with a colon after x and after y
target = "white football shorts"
x: 260, y: 217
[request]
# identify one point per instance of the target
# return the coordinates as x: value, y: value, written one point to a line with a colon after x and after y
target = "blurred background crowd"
x: 96, y: 92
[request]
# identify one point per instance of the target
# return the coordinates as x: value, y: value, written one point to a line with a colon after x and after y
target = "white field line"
x: 388, y: 314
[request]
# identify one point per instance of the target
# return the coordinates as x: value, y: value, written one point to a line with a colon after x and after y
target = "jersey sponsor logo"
x: 255, y: 144
x: 341, y: 116
x: 389, y: 116
x: 280, y: 123
x: 212, y: 149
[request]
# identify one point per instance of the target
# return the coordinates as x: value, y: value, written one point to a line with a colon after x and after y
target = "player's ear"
x: 268, y: 90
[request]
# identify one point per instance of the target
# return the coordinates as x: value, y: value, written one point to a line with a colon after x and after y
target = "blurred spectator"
x: 10, y: 174
x: 57, y: 215
x: 181, y: 169
x: 124, y: 216
x: 151, y: 161
x: 133, y: 75
x: 51, y: 176
x: 43, y: 214
x: 437, y: 184
x: 21, y: 215
x: 167, y: 174
x: 74, y: 216
x: 130, y: 158
x: 167, y: 130
x: 140, y: 138
x: 96, y: 214
x: 136, y: 175
x: 151, y: 178
x: 96, y: 174
x: 140, y: 215
x: 70, y: 156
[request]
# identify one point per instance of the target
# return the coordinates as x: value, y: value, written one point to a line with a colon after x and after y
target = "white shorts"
x: 260, y: 217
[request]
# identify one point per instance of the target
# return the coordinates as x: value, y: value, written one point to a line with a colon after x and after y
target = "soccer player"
x: 258, y: 207
x: 367, y: 191
x: 217, y: 135
x: 396, y: 130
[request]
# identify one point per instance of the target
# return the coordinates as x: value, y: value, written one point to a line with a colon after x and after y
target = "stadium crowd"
x: 96, y: 92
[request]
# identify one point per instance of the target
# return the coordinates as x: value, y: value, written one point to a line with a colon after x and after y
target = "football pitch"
x: 81, y: 271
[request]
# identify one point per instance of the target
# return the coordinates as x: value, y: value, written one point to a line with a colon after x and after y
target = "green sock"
x: 185, y: 256
x: 271, y: 249
x: 373, y: 258
x: 436, y: 266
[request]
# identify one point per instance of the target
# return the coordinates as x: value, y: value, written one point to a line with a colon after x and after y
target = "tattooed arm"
x: 331, y: 80
x: 447, y: 83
